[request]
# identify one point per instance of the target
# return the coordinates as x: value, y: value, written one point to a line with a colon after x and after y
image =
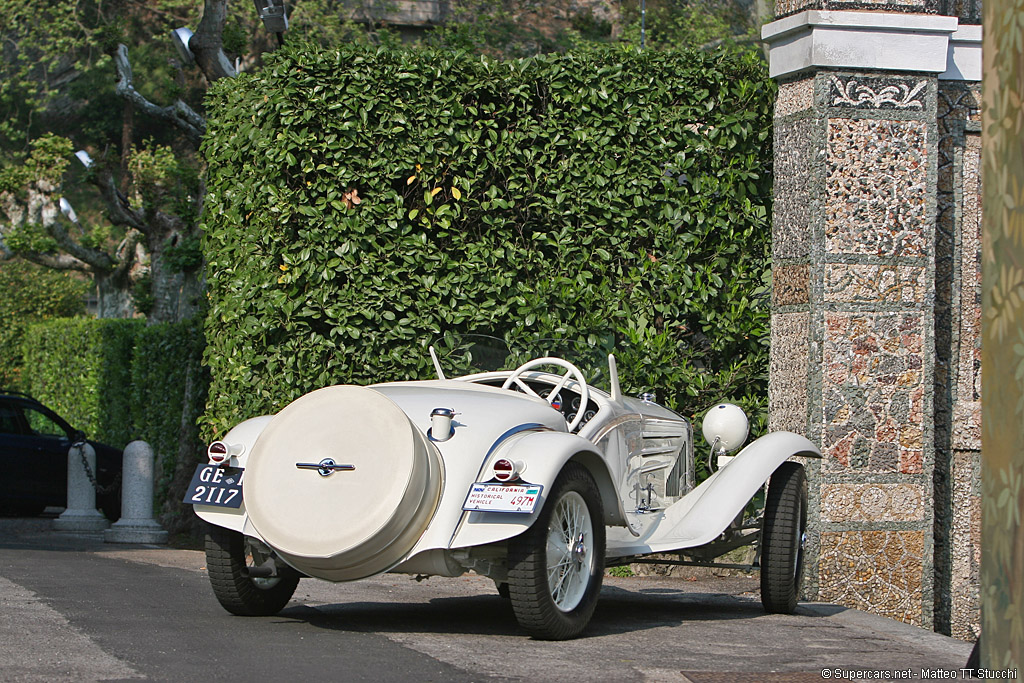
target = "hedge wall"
x: 363, y: 202
x: 82, y: 369
x: 168, y: 395
x: 30, y: 294
x: 120, y: 380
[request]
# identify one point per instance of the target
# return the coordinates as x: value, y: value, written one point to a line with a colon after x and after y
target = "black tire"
x: 782, y: 539
x: 502, y: 590
x: 236, y: 592
x: 562, y: 612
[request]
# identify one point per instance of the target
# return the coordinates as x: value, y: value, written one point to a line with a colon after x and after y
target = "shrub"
x: 168, y: 395
x: 363, y: 202
x: 29, y: 294
x: 82, y: 368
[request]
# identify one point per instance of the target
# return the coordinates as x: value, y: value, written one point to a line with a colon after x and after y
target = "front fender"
x: 707, y: 511
x: 544, y: 454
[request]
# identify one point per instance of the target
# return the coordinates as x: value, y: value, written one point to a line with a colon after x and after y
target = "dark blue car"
x: 34, y: 443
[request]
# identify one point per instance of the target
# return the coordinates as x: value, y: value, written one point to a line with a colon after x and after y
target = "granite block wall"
x: 958, y: 360
x: 969, y: 11
x: 787, y: 7
x: 853, y: 338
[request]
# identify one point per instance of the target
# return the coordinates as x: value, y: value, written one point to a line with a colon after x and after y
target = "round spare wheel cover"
x: 349, y: 524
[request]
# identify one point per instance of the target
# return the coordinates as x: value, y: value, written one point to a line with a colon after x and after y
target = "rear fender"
x: 707, y: 511
x: 242, y: 437
x: 543, y: 455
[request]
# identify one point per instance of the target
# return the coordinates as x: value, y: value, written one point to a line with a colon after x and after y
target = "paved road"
x: 75, y: 609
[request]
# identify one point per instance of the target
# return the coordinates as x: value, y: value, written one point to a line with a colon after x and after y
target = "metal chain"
x: 100, y: 490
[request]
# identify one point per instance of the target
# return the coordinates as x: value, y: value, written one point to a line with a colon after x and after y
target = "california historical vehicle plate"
x: 486, y: 497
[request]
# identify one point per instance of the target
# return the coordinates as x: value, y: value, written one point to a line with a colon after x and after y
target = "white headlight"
x: 727, y: 424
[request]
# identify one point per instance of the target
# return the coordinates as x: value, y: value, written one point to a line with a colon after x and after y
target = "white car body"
x: 639, y: 454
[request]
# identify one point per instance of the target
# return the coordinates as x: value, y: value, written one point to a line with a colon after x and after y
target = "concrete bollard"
x: 136, y: 524
x: 81, y: 513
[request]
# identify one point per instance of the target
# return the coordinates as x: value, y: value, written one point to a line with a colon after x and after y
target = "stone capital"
x: 909, y: 43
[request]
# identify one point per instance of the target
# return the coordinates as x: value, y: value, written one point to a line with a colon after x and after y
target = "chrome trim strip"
x: 525, y: 427
x: 325, y: 467
x: 660, y: 451
x: 613, y: 424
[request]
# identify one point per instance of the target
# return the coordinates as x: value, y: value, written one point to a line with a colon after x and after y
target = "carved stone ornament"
x: 899, y: 95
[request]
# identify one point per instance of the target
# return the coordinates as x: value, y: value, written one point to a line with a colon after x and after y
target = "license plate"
x: 502, y: 497
x: 217, y: 486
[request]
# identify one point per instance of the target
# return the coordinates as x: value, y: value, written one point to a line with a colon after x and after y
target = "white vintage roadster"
x: 530, y: 476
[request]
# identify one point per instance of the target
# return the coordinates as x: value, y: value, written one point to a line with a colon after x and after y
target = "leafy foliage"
x: 688, y: 23
x: 120, y: 380
x: 81, y: 368
x: 168, y: 390
x: 363, y: 202
x: 30, y: 294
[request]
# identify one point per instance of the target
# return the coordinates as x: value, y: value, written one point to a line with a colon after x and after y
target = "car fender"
x: 542, y: 456
x: 707, y: 511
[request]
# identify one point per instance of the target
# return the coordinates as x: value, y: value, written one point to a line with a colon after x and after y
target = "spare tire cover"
x: 347, y: 524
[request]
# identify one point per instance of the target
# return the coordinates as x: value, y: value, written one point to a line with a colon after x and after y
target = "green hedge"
x: 82, y: 369
x: 120, y: 380
x: 30, y: 294
x: 168, y: 395
x: 618, y: 197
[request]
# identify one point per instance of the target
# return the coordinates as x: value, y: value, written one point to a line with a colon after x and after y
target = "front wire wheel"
x: 556, y: 566
x: 228, y: 555
x: 782, y: 539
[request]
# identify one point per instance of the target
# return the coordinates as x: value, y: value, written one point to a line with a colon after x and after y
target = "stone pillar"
x: 856, y: 288
x: 136, y: 524
x: 81, y: 513
x: 958, y: 347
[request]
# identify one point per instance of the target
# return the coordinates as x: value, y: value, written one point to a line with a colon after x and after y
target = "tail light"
x: 218, y: 452
x: 505, y: 470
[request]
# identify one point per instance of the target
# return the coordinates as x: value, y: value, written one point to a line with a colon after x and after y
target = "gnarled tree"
x: 139, y: 237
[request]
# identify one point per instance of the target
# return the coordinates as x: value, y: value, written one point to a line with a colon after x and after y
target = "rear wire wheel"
x: 782, y: 539
x: 556, y: 566
x: 228, y: 555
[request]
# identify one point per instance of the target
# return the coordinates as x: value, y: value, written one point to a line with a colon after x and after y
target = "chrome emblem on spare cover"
x: 325, y: 467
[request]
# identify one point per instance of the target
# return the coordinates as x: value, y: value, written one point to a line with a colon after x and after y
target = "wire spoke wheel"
x: 570, y: 551
x: 556, y: 566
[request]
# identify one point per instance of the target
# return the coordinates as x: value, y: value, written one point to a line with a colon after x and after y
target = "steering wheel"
x: 571, y: 371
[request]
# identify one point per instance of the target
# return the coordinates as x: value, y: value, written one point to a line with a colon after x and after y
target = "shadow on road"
x: 618, y: 611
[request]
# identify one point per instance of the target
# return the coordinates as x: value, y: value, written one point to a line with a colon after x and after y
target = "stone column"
x: 854, y: 325
x: 958, y: 345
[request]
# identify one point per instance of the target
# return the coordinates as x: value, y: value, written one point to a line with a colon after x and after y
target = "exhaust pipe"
x: 264, y: 571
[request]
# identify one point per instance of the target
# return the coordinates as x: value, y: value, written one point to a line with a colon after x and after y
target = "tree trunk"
x: 113, y: 297
x: 175, y: 292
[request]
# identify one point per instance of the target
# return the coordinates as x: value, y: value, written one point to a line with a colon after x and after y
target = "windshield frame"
x: 465, y: 355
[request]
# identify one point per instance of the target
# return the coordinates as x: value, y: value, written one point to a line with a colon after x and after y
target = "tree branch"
x: 119, y: 210
x: 56, y: 261
x: 39, y: 207
x: 179, y: 113
x: 98, y: 260
x: 126, y: 253
x: 207, y: 44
